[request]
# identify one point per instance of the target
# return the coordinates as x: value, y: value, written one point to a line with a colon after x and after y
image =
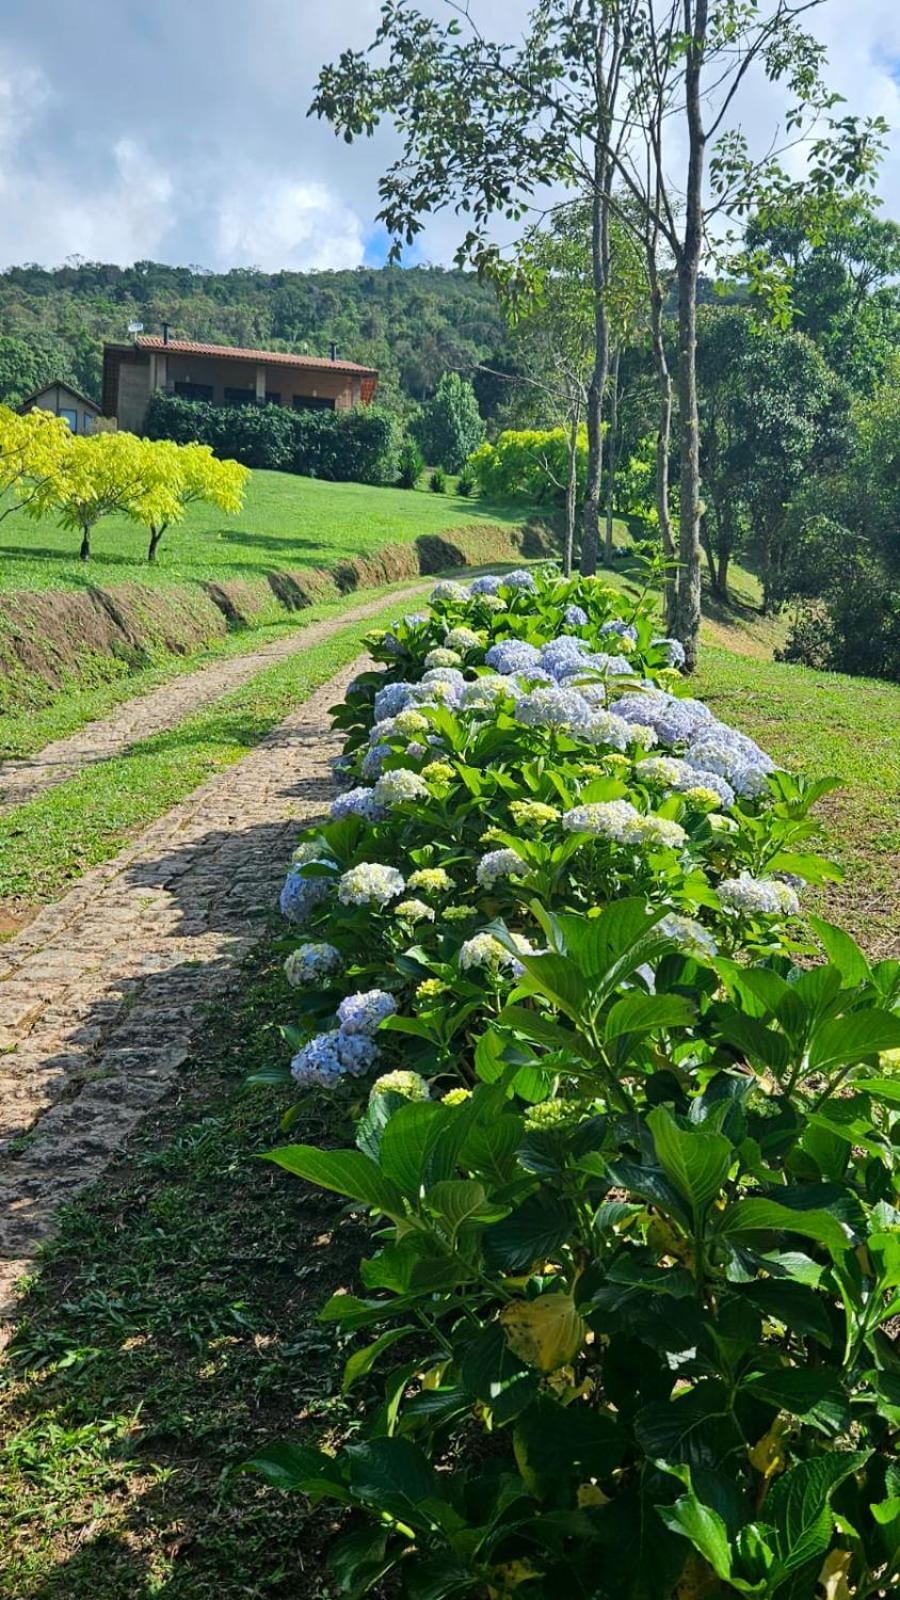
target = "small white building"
x: 64, y: 401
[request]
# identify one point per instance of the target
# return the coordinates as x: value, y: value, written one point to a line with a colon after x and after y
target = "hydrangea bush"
x: 626, y: 1126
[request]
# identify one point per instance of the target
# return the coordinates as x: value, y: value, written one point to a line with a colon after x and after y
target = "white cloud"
x: 286, y: 223
x: 180, y: 132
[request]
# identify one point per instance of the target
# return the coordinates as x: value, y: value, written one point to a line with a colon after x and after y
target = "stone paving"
x: 102, y: 993
x: 165, y: 707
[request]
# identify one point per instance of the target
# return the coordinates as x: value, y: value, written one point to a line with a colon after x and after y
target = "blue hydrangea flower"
x: 520, y: 580
x: 490, y: 584
x: 359, y: 802
x: 512, y: 655
x: 364, y: 1012
x: 392, y: 698
x: 575, y: 617
x: 312, y: 964
x: 300, y: 896
x: 625, y: 630
x: 373, y: 761
x: 555, y: 708
x: 327, y: 1057
x: 674, y: 650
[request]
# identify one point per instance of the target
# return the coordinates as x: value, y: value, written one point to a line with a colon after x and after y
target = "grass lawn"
x: 48, y: 842
x: 171, y: 1332
x: 287, y: 523
x: 822, y: 723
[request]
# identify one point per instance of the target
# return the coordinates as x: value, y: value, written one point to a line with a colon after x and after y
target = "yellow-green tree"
x: 95, y: 477
x: 176, y: 476
x: 31, y: 450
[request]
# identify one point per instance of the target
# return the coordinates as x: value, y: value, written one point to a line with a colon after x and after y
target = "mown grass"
x: 822, y: 723
x: 51, y: 840
x: 26, y: 730
x: 287, y: 523
x: 172, y: 1331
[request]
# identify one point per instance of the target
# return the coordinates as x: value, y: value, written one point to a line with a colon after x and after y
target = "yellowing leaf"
x: 545, y: 1333
x: 834, y: 1573
x: 508, y: 1577
x: 590, y: 1495
x: 697, y: 1580
x: 769, y: 1454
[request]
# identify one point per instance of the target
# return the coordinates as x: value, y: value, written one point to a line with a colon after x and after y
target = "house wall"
x: 133, y: 395
x: 222, y: 374
x: 57, y: 398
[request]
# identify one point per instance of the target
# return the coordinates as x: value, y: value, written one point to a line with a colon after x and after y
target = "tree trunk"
x: 155, y: 536
x: 85, y: 551
x: 571, y: 496
x: 664, y: 427
x: 590, y: 538
x: 722, y: 574
x: 706, y: 542
x: 612, y: 455
x: 687, y: 596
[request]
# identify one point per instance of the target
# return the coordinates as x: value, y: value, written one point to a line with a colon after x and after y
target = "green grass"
x: 51, y: 840
x: 822, y: 723
x: 288, y: 523
x: 170, y: 1333
x: 26, y: 730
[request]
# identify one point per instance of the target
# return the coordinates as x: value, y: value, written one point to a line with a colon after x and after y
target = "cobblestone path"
x: 165, y: 707
x: 101, y: 994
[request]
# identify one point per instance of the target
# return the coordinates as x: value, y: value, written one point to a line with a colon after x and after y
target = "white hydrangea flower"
x: 604, y: 727
x: 690, y: 934
x: 667, y: 771
x: 499, y: 864
x: 449, y: 589
x: 410, y: 722
x: 485, y: 952
x: 369, y: 881
x: 409, y: 1084
x: 464, y: 640
x: 489, y: 690
x: 414, y: 911
x: 759, y: 896
x: 658, y: 831
x: 441, y: 657
x: 311, y: 963
x: 430, y: 880
x: 607, y: 819
x: 398, y: 786
x: 314, y: 849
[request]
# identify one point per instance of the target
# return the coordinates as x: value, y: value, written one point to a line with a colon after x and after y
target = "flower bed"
x: 630, y: 1156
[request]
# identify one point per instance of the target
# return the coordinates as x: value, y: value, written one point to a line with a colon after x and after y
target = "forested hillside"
x: 411, y: 323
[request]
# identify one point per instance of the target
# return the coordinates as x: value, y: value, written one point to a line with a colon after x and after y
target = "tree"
x: 93, y: 478
x: 173, y: 477
x: 27, y: 364
x: 450, y: 426
x: 32, y: 449
x: 770, y: 412
x: 486, y: 128
x: 690, y: 60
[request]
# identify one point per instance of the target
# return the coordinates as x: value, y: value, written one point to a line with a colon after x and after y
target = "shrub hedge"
x: 357, y: 446
x: 626, y: 1330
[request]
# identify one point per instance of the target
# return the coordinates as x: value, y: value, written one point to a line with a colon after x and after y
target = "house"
x: 76, y: 409
x: 226, y: 376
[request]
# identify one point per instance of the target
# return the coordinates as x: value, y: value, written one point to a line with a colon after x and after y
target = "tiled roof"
x: 272, y: 358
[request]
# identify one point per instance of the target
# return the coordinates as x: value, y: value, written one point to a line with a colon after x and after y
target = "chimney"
x: 333, y: 350
x: 165, y: 329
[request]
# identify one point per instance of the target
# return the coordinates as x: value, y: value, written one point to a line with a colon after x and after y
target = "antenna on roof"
x: 135, y: 327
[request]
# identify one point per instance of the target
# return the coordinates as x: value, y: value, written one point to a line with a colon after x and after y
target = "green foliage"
x: 529, y: 464
x: 357, y: 446
x: 437, y: 481
x: 410, y: 464
x: 450, y: 425
x: 466, y: 483
x: 411, y: 325
x: 651, y: 1250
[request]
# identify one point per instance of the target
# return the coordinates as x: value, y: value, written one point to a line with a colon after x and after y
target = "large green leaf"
x: 558, y: 1444
x: 843, y: 1041
x: 536, y: 1230
x: 362, y: 1361
x: 645, y: 1013
x: 299, y: 1467
x: 813, y: 1394
x: 457, y: 1201
x: 359, y: 1559
x: 492, y: 1374
x: 696, y: 1427
x: 406, y: 1141
x: 346, y: 1172
x: 395, y: 1476
x: 842, y: 951
x: 759, y: 1215
x: 798, y: 1506
x: 695, y: 1161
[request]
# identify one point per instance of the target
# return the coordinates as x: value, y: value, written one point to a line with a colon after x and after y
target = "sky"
x: 176, y: 130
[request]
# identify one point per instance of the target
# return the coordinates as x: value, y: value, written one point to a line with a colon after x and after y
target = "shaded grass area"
x: 170, y: 1333
x: 24, y: 731
x: 287, y: 523
x: 52, y: 839
x: 823, y: 723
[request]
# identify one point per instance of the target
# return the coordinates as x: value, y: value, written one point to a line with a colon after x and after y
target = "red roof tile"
x: 272, y: 358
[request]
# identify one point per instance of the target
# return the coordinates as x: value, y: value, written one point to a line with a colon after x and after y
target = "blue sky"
x: 176, y: 129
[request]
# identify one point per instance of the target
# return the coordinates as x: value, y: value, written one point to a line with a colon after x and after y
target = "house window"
x: 71, y: 417
x: 312, y: 402
x: 273, y: 397
x: 194, y: 391
x: 240, y: 397
x: 87, y: 422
